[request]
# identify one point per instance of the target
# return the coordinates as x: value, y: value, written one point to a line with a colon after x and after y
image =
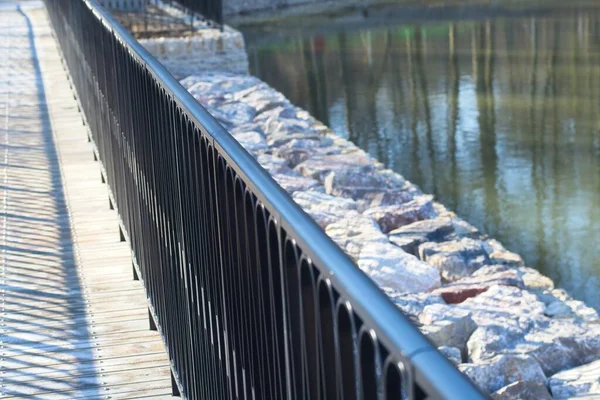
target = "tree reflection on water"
x: 497, y: 118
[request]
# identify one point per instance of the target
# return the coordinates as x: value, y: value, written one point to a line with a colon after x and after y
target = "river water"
x: 498, y: 117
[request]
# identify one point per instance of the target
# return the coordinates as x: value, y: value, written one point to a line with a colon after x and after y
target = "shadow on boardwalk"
x: 46, y: 340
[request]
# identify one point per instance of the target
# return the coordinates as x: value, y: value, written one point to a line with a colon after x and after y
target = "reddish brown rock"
x: 395, y: 216
x: 482, y: 280
x: 456, y: 294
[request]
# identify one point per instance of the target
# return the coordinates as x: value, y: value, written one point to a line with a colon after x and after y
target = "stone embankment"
x: 504, y: 324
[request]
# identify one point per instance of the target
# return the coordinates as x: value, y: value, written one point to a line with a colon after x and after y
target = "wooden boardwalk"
x: 73, y: 323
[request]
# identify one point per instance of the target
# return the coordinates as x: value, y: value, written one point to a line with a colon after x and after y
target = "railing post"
x: 136, y: 277
x: 174, y: 388
x: 153, y: 326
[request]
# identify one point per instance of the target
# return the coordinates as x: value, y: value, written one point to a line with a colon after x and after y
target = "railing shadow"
x: 45, y: 333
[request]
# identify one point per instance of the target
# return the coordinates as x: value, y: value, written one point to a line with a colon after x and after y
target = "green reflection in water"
x: 498, y: 118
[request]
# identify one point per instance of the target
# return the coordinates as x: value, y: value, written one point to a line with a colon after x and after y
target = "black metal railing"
x: 212, y: 10
x: 252, y: 299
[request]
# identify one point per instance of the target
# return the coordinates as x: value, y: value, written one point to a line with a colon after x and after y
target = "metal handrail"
x: 251, y: 297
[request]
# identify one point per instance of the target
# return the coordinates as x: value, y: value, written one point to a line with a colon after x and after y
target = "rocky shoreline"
x: 504, y: 324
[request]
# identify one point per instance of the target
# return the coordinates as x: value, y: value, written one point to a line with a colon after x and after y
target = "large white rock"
x: 505, y: 306
x: 499, y: 255
x: 581, y: 382
x: 456, y: 259
x: 390, y: 267
x: 320, y: 165
x: 394, y: 216
x: 447, y: 325
x: 324, y: 208
x: 451, y: 353
x: 353, y: 233
x: 561, y: 344
x: 523, y: 390
x: 410, y: 237
x: 512, y: 321
x: 503, y: 370
x: 413, y: 304
x: 296, y: 182
x: 252, y: 140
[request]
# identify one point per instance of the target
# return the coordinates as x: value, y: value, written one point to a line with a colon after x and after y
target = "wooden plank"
x: 73, y: 323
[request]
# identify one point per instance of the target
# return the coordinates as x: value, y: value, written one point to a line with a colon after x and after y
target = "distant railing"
x: 209, y: 9
x: 251, y: 297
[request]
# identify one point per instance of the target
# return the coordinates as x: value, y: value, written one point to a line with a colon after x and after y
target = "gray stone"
x: 390, y: 267
x: 503, y: 370
x: 499, y: 255
x: 463, y: 229
x: 561, y: 344
x: 296, y: 182
x: 232, y: 114
x: 377, y: 198
x: 409, y: 237
x: 320, y: 165
x: 296, y: 149
x: 558, y: 309
x: 489, y: 341
x: 458, y: 291
x: 447, y: 325
x: 279, y: 111
x: 512, y: 321
x: 580, y: 382
x: 582, y: 311
x: 534, y: 280
x: 352, y: 233
x: 261, y: 97
x: 222, y: 85
x: 451, y: 353
x: 281, y: 127
x: 355, y: 182
x: 523, y: 390
x: 503, y: 314
x: 324, y: 208
x: 251, y: 140
x: 413, y: 304
x: 395, y: 216
x: 307, y: 140
x: 456, y: 259
x: 274, y: 165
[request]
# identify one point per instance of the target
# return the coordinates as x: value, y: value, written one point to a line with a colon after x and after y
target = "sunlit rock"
x: 500, y: 371
x: 412, y: 304
x: 521, y: 390
x: 533, y: 279
x: 580, y: 382
x: 562, y: 344
x: 499, y: 255
x: 274, y: 165
x: 410, y: 236
x: 324, y: 208
x: 451, y: 353
x: 251, y: 140
x: 446, y: 325
x: 391, y: 267
x: 353, y: 233
x: 320, y: 165
x: 484, y: 278
x: 296, y: 182
x: 395, y: 216
x: 279, y: 111
x: 512, y: 321
x: 456, y: 258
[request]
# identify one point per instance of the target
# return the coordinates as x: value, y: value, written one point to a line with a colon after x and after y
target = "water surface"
x: 497, y: 117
